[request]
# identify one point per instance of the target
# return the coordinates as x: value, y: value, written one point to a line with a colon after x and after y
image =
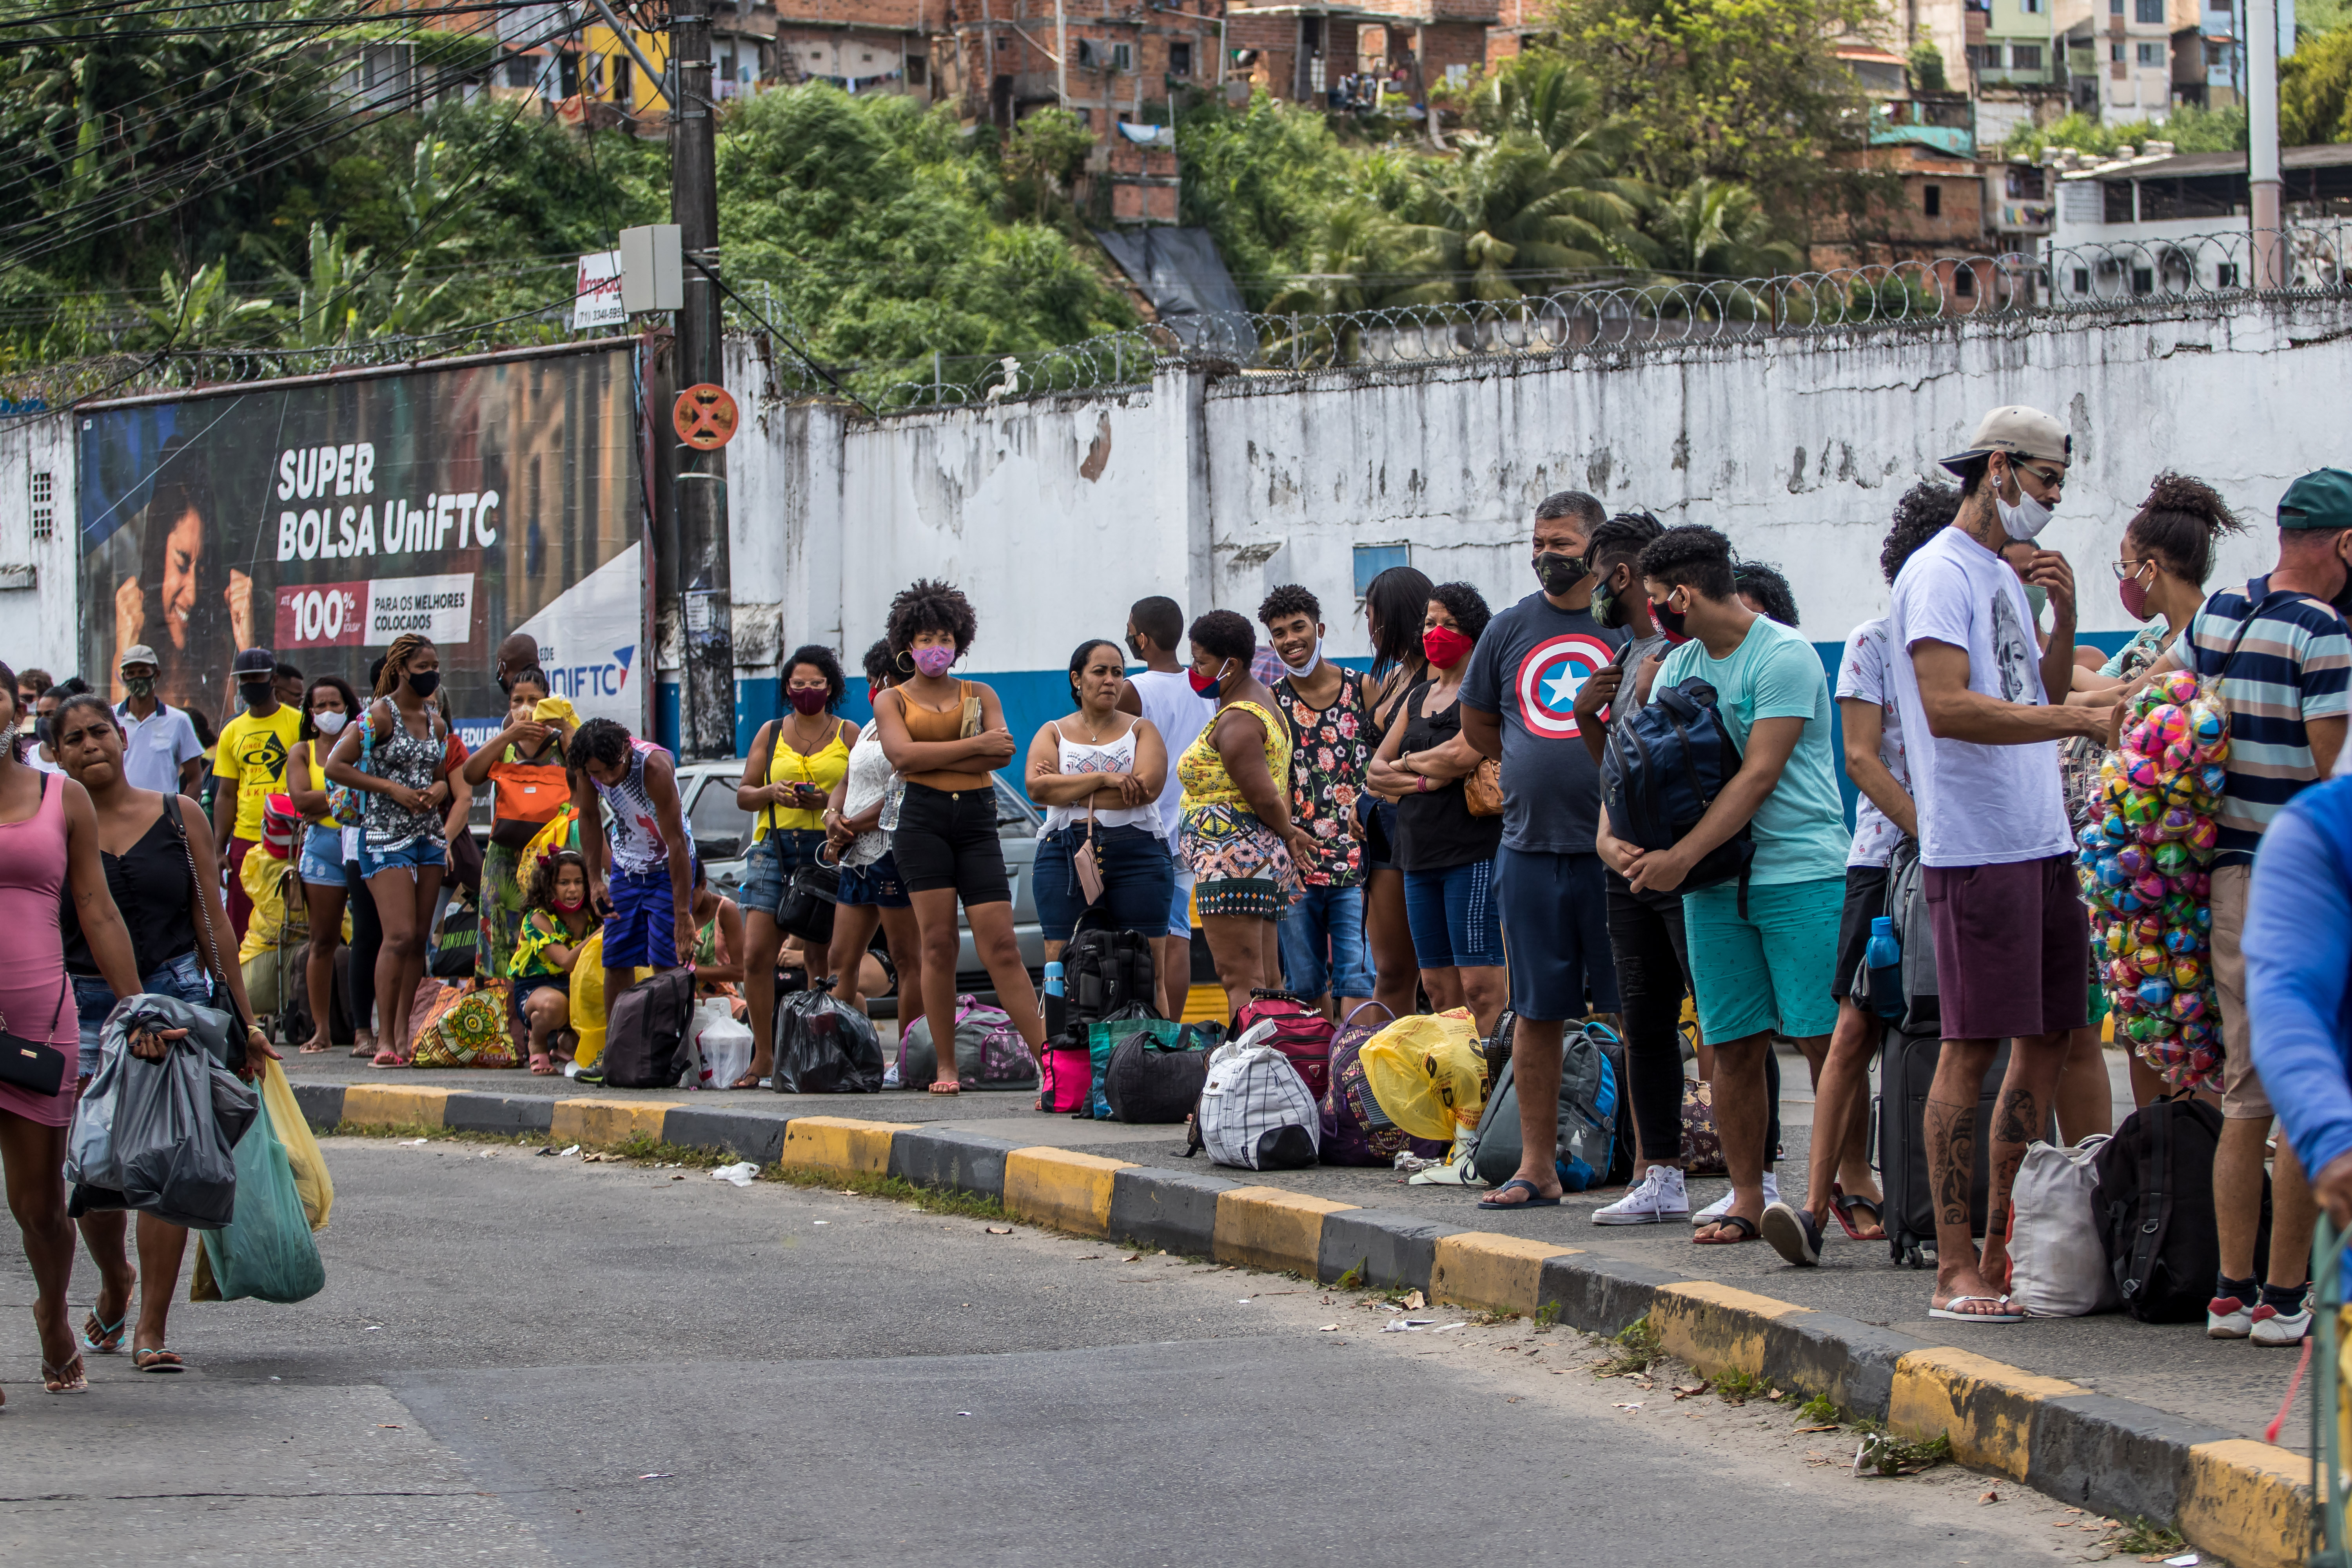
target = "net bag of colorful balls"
x: 2146, y: 864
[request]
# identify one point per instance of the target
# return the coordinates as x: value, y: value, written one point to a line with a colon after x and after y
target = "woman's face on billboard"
x: 183, y: 549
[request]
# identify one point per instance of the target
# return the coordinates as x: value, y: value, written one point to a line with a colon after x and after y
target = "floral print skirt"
x: 1239, y: 866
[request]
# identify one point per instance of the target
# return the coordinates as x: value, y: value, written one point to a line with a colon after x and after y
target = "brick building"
x: 1000, y: 58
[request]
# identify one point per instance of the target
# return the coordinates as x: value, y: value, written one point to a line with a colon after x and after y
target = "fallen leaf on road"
x: 1776, y: 1396
x: 1988, y: 1497
x: 388, y: 1426
x: 1414, y: 1302
x: 1132, y: 1258
x: 677, y: 1178
x: 1685, y: 1389
x: 1831, y: 1427
x: 1000, y: 1231
x: 1512, y: 1400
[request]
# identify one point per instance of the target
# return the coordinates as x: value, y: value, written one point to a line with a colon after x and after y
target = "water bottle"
x: 1056, y: 1008
x: 1884, y: 959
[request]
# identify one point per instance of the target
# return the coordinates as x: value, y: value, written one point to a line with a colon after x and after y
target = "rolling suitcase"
x: 1907, y: 1067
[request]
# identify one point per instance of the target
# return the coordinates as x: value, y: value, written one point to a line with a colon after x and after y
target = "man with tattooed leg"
x: 2012, y: 943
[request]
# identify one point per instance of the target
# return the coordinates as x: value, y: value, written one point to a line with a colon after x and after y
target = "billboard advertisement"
x: 322, y: 519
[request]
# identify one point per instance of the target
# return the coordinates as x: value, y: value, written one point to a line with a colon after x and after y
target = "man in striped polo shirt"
x: 2283, y: 661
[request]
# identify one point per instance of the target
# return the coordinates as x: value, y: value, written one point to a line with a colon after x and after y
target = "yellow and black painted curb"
x: 2245, y: 1501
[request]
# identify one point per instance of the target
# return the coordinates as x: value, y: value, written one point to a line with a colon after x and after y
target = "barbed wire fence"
x: 1596, y: 315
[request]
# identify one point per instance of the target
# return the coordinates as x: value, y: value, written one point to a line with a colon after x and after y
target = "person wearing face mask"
x: 1160, y: 692
x: 1396, y: 612
x: 1448, y: 855
x: 872, y: 896
x: 556, y: 923
x: 796, y: 763
x: 327, y: 810
x: 1519, y: 704
x: 946, y: 738
x: 1978, y: 709
x: 1237, y: 836
x: 1330, y: 711
x: 45, y: 709
x: 408, y: 770
x: 2281, y: 659
x: 160, y: 751
x: 249, y: 762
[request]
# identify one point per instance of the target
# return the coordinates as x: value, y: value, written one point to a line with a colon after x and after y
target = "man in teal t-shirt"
x: 1764, y: 968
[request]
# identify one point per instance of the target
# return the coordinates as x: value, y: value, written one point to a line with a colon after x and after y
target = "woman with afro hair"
x: 946, y: 738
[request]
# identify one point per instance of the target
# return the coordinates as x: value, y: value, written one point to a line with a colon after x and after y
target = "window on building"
x: 2031, y: 7
x: 1372, y: 560
x: 2114, y: 8
x: 1457, y: 75
x: 1122, y: 56
x: 2148, y: 13
x: 2225, y: 275
x: 919, y: 70
x: 2143, y: 279
x: 1964, y: 282
x: 1982, y: 57
x: 2026, y: 184
x: 2116, y: 53
x: 592, y: 75
x: 623, y: 80
x: 2082, y: 280
x: 2025, y: 56
x: 2151, y: 55
x: 45, y: 508
x: 1003, y: 43
x: 1931, y: 200
x: 518, y: 72
x: 1179, y: 60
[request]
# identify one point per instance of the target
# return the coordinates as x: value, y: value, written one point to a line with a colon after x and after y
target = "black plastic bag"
x: 824, y: 1046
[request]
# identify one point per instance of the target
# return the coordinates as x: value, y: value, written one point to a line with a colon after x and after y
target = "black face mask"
x: 1669, y: 621
x: 41, y: 730
x: 1135, y: 645
x: 1558, y: 573
x: 424, y: 683
x: 255, y: 693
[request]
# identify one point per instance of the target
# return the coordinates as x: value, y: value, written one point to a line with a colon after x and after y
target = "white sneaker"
x: 2271, y: 1327
x: 1722, y: 1206
x: 1661, y: 1197
x: 2228, y: 1318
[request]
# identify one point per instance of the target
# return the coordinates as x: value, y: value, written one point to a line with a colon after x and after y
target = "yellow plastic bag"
x: 588, y: 1000
x: 316, y: 1187
x: 1428, y: 1074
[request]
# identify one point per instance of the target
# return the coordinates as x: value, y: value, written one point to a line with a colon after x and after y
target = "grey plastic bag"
x: 162, y: 1136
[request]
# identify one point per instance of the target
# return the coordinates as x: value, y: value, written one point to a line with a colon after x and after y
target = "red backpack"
x: 1301, y: 1033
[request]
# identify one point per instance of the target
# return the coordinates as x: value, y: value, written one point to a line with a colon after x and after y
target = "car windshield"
x: 722, y: 830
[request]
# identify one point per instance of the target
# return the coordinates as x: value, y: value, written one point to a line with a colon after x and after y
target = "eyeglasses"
x: 2123, y: 569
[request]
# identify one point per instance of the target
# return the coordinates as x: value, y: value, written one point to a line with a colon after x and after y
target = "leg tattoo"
x: 1952, y: 1132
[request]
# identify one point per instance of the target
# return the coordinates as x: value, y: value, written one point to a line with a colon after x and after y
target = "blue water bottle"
x: 1056, y: 1008
x: 1884, y: 959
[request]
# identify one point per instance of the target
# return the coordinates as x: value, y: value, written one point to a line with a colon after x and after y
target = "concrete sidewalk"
x: 2131, y: 1418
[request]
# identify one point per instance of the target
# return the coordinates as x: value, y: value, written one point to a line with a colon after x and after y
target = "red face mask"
x: 2134, y: 593
x: 1444, y: 647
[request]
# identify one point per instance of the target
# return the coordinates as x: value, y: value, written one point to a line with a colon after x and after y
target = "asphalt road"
x: 532, y: 1361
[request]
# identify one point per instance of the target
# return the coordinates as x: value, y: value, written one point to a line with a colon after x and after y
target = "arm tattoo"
x: 1952, y: 1132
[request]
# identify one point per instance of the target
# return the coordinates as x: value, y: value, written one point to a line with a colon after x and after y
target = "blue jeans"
x: 1454, y: 916
x: 1137, y: 875
x: 769, y: 866
x: 183, y: 977
x: 1328, y: 920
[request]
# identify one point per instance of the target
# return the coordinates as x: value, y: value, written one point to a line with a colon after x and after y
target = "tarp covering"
x: 1181, y: 274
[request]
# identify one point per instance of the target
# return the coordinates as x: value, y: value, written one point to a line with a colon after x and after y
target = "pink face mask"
x: 933, y: 661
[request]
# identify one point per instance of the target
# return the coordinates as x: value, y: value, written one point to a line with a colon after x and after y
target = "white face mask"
x: 2027, y: 517
x: 1301, y: 671
x: 329, y: 723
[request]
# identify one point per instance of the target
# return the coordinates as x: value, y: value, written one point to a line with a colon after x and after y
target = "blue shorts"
x: 769, y: 866
x: 183, y: 977
x: 642, y: 930
x: 874, y: 886
x: 322, y: 865
x: 1454, y: 916
x: 1179, y: 907
x: 1323, y: 944
x: 1556, y: 918
x: 1767, y: 972
x: 1137, y: 874
x: 419, y: 854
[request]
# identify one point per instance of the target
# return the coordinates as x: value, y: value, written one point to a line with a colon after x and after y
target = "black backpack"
x: 644, y: 1033
x: 1665, y: 762
x: 2154, y: 1205
x: 1105, y: 970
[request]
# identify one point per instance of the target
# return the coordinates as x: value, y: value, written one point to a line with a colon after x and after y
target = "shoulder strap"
x: 2155, y: 1171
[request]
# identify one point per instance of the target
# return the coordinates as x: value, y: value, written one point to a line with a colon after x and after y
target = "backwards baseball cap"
x: 137, y: 653
x: 254, y: 661
x: 2320, y: 500
x: 2016, y: 431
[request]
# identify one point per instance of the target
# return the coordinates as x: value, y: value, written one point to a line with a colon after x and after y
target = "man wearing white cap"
x: 1980, y: 708
x: 160, y: 749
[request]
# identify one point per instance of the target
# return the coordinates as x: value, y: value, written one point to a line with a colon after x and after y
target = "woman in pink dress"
x: 49, y: 839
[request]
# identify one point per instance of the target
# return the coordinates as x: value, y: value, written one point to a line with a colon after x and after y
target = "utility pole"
x: 707, y: 705
x: 2260, y: 43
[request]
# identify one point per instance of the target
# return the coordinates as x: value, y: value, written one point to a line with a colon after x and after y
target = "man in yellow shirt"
x: 250, y: 762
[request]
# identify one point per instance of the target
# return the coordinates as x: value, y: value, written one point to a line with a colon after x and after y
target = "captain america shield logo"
x: 1549, y: 677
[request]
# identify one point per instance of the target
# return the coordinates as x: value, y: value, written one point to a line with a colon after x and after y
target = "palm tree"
x: 1512, y: 217
x: 1719, y: 229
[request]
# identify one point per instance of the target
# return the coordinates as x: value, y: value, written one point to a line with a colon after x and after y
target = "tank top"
x: 822, y: 767
x: 35, y: 998
x: 403, y: 758
x: 1436, y: 831
x: 931, y: 724
x: 1114, y: 756
x: 634, y: 833
x: 150, y: 884
x: 1202, y: 768
x: 871, y: 779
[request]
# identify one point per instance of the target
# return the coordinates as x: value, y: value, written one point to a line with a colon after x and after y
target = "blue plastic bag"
x: 266, y: 1249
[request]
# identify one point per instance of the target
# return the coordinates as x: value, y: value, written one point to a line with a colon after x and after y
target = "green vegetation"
x: 1635, y: 1349
x: 2145, y: 1538
x: 2315, y: 90
x: 1818, y: 1411
x: 2191, y: 129
x: 931, y: 1199
x: 1888, y: 1455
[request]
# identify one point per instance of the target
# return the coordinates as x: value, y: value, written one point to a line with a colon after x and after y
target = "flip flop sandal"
x: 1740, y: 1221
x: 1794, y: 1233
x: 158, y: 1361
x: 1844, y: 1206
x: 67, y: 1379
x: 1946, y: 1312
x: 543, y: 1065
x: 748, y: 1081
x: 943, y: 1087
x: 101, y: 1339
x: 388, y: 1058
x: 1533, y: 1200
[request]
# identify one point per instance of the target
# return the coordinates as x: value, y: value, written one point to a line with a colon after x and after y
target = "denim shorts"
x: 322, y: 865
x: 1454, y: 918
x: 1179, y: 907
x: 874, y: 886
x: 183, y: 977
x: 417, y: 855
x: 768, y: 867
x: 642, y: 930
x: 1137, y: 878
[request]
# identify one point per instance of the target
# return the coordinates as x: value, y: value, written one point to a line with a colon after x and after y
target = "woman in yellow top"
x: 1236, y: 838
x: 795, y: 762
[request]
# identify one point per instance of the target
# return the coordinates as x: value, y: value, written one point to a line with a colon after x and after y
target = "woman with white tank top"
x: 1098, y: 774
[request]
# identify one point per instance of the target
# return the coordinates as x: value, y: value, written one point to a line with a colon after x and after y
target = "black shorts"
x: 1865, y: 901
x: 947, y: 838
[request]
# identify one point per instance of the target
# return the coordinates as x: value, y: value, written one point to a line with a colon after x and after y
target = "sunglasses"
x: 2055, y: 481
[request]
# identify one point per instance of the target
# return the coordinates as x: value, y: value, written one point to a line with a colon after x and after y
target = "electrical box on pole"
x: 652, y: 273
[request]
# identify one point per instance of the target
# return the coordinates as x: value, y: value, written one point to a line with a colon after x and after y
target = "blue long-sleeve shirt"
x: 2298, y: 946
